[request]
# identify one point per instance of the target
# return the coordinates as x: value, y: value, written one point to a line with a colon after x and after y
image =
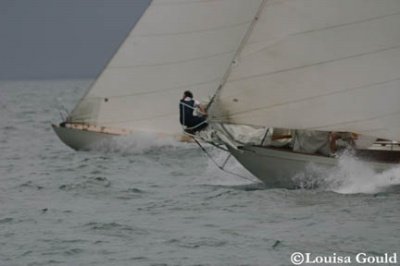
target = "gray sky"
x: 62, y: 38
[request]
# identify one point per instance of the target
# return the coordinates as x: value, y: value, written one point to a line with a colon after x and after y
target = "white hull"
x: 79, y: 139
x: 276, y: 168
x: 82, y: 137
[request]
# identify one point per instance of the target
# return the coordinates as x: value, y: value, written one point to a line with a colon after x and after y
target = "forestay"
x: 175, y: 46
x: 321, y: 65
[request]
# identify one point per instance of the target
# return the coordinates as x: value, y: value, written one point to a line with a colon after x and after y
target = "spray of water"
x: 350, y: 176
x: 141, y: 143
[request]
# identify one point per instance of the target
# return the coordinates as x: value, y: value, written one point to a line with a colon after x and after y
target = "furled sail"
x: 320, y: 65
x: 175, y: 46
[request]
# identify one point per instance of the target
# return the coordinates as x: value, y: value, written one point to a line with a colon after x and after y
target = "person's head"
x: 188, y: 94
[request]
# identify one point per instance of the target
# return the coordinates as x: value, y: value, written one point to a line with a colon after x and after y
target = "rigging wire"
x: 221, y: 167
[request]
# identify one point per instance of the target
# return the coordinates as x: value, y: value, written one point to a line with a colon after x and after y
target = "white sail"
x: 175, y: 46
x: 318, y: 64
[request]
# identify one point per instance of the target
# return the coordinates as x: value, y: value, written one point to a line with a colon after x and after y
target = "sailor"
x: 192, y: 114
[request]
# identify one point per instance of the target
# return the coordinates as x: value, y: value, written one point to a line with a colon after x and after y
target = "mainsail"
x: 320, y: 65
x: 175, y: 46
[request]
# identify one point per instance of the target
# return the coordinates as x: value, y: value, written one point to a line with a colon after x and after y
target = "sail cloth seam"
x: 239, y: 49
x: 363, y: 120
x: 317, y: 30
x: 133, y: 35
x: 313, y: 64
x: 156, y: 91
x: 141, y: 119
x: 173, y: 62
x: 110, y: 122
x: 350, y: 23
x: 315, y: 97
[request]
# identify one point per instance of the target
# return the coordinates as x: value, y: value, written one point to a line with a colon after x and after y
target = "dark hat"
x: 188, y: 94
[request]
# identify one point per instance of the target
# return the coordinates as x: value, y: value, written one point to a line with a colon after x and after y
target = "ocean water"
x: 142, y: 202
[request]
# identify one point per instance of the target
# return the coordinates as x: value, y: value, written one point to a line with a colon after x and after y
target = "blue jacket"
x: 186, y: 109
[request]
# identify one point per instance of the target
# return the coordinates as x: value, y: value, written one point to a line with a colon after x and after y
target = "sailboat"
x: 265, y: 66
x: 309, y: 66
x: 176, y: 45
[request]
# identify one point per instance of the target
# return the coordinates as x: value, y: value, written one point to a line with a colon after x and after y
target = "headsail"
x: 321, y: 65
x: 176, y: 45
